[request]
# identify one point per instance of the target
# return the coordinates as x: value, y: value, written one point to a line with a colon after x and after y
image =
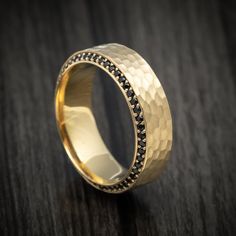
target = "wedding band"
x: 148, y: 106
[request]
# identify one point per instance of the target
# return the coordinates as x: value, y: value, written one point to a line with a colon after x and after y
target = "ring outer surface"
x: 153, y: 102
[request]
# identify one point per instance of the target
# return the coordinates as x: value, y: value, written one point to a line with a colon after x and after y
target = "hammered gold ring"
x: 148, y: 106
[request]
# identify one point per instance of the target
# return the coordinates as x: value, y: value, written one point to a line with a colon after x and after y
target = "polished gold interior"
x: 79, y: 130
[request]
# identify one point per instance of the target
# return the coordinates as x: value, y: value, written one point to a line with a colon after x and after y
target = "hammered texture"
x: 148, y: 106
x: 154, y: 104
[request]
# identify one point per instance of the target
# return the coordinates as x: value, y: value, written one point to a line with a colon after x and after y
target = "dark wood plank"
x: 190, y: 46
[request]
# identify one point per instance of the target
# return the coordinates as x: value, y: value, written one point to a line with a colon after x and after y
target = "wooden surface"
x: 191, y: 45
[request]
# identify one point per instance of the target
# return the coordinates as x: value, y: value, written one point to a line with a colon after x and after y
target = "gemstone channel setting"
x: 136, y: 112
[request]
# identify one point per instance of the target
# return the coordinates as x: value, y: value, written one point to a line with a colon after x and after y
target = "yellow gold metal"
x: 149, y: 109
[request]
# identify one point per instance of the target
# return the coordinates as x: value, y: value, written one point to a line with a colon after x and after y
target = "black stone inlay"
x: 126, y: 85
x: 141, y: 151
x: 101, y: 59
x: 137, y: 109
x: 139, y: 157
x: 120, y: 185
x: 129, y: 180
x: 138, y: 165
x: 121, y: 79
x: 141, y: 143
x: 130, y: 93
x: 111, y: 68
x: 90, y: 56
x: 132, y: 176
x: 140, y: 127
x: 95, y: 57
x: 133, y: 101
x: 106, y: 63
x: 142, y: 135
x: 135, y: 170
x: 117, y: 73
x: 139, y: 118
x: 84, y: 56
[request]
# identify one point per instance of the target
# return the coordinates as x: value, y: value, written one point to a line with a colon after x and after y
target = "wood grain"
x: 191, y: 46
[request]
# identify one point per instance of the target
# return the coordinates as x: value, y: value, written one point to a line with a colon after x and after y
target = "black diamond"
x: 130, y: 93
x: 142, y: 135
x: 90, y: 56
x: 141, y: 143
x: 138, y: 165
x: 121, y: 79
x: 139, y: 118
x: 106, y: 63
x: 136, y: 171
x: 133, y: 101
x: 125, y: 184
x: 120, y: 185
x: 117, y: 73
x: 84, y: 56
x: 111, y: 68
x: 129, y: 180
x: 137, y: 109
x: 95, y: 57
x: 141, y: 151
x: 126, y: 85
x: 139, y: 158
x: 79, y: 56
x: 132, y: 176
x: 140, y: 127
x: 100, y: 60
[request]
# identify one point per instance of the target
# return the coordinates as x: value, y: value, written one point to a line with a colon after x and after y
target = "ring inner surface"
x: 79, y: 129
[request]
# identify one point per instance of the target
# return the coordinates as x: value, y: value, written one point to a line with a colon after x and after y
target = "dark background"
x: 191, y: 44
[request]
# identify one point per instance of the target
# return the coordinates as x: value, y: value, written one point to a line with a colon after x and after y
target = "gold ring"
x: 149, y: 109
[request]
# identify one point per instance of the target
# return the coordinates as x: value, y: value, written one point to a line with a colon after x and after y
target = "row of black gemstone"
x: 101, y: 60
